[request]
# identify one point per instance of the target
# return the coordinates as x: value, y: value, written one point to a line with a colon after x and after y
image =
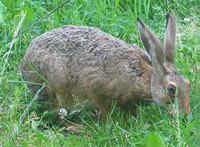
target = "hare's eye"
x: 171, y: 88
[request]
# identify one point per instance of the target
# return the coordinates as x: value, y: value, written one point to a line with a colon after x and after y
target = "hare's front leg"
x: 130, y: 108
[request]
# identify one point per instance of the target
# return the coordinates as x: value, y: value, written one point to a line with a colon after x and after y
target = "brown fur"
x: 84, y: 66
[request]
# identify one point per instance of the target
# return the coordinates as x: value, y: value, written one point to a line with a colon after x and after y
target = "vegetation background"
x: 19, y: 25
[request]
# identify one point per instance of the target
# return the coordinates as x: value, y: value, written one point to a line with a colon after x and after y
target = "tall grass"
x: 153, y: 127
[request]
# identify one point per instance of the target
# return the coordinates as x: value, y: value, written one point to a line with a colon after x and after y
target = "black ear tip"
x: 167, y: 15
x: 140, y: 22
x: 138, y: 19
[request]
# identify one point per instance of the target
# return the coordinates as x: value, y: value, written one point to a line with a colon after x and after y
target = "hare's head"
x: 166, y: 81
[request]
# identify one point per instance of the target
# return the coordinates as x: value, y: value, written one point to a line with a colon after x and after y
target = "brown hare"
x: 85, y: 67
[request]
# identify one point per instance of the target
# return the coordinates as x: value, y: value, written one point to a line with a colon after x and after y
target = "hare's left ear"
x: 151, y: 44
x: 153, y: 47
x: 170, y: 38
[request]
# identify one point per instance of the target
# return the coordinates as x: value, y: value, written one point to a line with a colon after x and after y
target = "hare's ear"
x: 152, y: 45
x: 170, y: 37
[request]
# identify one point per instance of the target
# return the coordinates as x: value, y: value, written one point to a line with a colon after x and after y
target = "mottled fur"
x: 83, y: 65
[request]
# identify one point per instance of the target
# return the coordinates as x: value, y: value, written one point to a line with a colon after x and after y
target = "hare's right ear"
x: 152, y: 45
x: 170, y: 37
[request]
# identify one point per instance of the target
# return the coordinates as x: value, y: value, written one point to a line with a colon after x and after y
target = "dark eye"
x: 171, y: 88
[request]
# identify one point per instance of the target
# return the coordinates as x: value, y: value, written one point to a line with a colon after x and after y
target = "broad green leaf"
x: 154, y: 140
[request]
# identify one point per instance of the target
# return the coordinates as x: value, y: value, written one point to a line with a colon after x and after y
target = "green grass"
x: 154, y: 127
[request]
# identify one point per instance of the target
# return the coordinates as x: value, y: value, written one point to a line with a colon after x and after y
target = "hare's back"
x: 78, y: 39
x: 81, y: 46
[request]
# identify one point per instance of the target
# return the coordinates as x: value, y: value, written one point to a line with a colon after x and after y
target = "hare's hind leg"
x: 65, y: 103
x: 34, y: 82
x: 103, y: 107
